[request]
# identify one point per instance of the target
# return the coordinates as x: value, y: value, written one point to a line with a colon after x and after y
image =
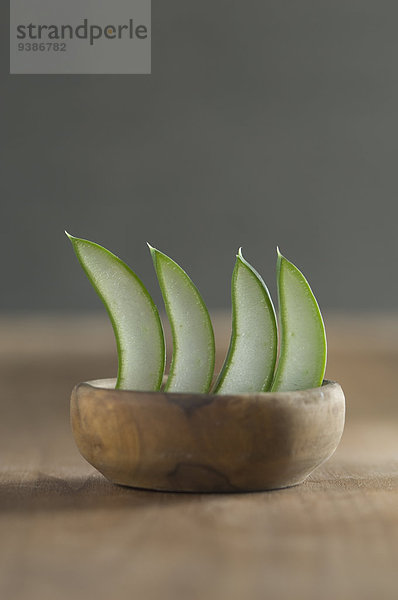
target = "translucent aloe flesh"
x: 250, y: 362
x: 134, y: 317
x: 302, y: 359
x: 192, y: 364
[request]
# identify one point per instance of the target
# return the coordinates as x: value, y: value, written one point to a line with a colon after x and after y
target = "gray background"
x: 262, y: 123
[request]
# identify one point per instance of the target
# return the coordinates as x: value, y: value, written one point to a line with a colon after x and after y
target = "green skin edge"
x: 156, y: 257
x: 121, y: 365
x: 240, y: 260
x: 282, y: 263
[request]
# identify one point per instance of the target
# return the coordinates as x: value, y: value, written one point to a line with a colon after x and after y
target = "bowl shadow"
x: 46, y: 493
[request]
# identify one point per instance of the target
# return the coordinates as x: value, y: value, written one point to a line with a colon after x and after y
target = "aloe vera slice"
x: 250, y: 362
x: 302, y: 359
x: 192, y: 364
x: 135, y: 319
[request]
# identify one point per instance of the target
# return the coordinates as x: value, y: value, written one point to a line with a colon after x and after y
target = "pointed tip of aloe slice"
x: 239, y: 255
x: 152, y: 250
x: 71, y: 237
x: 278, y: 252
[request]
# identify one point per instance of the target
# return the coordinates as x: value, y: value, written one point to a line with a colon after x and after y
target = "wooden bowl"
x: 206, y: 442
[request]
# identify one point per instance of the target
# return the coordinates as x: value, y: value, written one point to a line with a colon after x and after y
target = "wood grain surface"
x: 68, y: 533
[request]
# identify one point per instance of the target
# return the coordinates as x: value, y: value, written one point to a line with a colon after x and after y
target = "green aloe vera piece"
x: 250, y: 362
x: 302, y: 359
x: 134, y: 316
x: 192, y: 364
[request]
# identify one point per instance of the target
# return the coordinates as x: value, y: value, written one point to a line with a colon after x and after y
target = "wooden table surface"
x: 66, y: 533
